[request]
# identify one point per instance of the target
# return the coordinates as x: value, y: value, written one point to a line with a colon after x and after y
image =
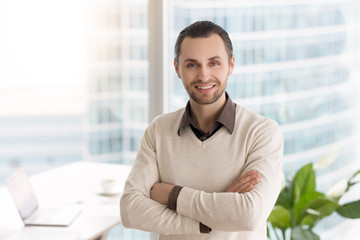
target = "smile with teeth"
x: 205, y: 87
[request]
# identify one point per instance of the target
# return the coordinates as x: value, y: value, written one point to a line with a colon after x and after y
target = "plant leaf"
x: 280, y: 217
x: 303, y: 234
x: 284, y: 198
x: 324, y: 206
x: 305, y: 179
x: 350, y: 210
x: 307, y: 220
x: 295, y: 196
x: 303, y: 202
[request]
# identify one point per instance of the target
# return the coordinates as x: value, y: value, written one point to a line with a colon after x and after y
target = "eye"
x: 192, y: 65
x: 214, y: 64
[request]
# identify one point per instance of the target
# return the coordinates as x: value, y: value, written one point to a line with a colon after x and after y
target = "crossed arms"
x: 160, y: 192
x: 244, y: 206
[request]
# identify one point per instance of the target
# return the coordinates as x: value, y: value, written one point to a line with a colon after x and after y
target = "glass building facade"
x: 117, y: 77
x: 117, y: 112
x: 39, y: 142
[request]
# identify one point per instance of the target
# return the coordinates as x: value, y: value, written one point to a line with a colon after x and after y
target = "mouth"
x: 205, y: 88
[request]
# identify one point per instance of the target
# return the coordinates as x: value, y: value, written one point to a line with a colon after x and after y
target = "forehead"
x: 203, y: 48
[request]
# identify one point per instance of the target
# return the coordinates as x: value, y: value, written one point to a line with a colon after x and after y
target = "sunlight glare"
x: 42, y: 56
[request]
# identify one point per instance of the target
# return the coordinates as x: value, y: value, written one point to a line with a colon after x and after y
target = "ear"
x: 176, y: 65
x: 231, y: 65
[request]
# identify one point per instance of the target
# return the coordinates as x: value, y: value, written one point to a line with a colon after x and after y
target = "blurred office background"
x: 75, y: 85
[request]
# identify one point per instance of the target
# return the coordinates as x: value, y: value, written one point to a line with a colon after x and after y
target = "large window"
x: 117, y: 75
x: 42, y: 84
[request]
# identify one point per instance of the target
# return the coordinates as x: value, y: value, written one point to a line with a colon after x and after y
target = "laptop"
x: 32, y: 215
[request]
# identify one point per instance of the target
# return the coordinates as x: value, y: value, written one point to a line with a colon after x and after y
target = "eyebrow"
x: 215, y: 57
x: 211, y: 58
x: 189, y: 60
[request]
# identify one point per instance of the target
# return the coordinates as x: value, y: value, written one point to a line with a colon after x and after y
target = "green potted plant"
x: 300, y: 206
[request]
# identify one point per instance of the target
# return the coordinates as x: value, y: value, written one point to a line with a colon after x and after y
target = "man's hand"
x: 160, y: 192
x: 245, y: 183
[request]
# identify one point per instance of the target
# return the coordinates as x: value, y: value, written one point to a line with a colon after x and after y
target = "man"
x: 211, y: 170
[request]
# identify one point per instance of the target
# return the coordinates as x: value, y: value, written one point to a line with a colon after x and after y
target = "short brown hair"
x: 203, y: 29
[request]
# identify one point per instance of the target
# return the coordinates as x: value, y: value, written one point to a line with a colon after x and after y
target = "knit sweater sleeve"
x: 137, y: 210
x: 242, y: 212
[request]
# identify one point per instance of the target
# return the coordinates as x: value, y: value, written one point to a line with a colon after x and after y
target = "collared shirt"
x: 226, y: 119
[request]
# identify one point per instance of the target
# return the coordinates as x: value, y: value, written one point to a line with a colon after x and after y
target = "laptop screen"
x: 22, y: 193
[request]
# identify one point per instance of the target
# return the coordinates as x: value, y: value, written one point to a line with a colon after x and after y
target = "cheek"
x: 187, y: 75
x: 220, y: 74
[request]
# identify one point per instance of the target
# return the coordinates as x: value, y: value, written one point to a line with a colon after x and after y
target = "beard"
x: 206, y: 98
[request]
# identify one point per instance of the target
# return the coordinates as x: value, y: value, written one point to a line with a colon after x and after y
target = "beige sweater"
x: 205, y: 170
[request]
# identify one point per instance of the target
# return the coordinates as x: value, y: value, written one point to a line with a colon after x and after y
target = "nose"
x: 204, y: 74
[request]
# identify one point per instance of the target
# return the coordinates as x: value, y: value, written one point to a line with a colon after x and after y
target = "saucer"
x: 113, y: 192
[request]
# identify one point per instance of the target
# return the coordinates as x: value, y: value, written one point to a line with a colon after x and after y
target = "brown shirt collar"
x: 226, y: 118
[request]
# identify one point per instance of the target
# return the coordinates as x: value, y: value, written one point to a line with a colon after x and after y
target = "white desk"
x: 76, y: 183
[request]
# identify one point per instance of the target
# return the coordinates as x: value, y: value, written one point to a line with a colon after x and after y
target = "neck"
x: 205, y: 115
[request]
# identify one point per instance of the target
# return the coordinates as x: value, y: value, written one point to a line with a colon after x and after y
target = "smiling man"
x: 210, y: 170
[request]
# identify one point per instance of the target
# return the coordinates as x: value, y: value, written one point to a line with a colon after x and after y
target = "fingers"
x: 246, y: 187
x: 245, y: 182
x: 243, y: 179
x: 160, y: 192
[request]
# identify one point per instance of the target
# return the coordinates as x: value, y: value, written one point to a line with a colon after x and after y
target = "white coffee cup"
x: 108, y: 185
